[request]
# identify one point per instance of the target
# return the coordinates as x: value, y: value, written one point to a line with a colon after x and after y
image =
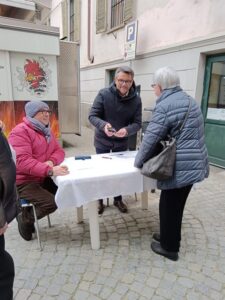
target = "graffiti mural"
x: 35, y: 77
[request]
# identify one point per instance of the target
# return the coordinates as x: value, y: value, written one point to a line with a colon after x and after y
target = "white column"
x: 144, y: 200
x: 94, y: 225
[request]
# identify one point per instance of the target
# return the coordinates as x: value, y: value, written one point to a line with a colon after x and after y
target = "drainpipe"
x: 90, y: 57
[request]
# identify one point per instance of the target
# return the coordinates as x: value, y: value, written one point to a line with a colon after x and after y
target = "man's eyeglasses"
x: 45, y: 112
x: 153, y: 85
x: 121, y: 81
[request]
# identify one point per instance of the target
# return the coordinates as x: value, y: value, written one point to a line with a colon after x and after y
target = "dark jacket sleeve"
x: 8, y: 193
x: 96, y: 114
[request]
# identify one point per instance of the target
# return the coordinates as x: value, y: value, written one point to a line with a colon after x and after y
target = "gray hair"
x: 166, y: 78
x: 126, y: 70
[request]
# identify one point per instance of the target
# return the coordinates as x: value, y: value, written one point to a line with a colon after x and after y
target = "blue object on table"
x: 82, y: 157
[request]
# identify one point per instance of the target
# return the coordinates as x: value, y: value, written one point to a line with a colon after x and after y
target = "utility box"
x: 30, y: 64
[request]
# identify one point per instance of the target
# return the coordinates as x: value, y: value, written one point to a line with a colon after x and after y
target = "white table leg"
x: 94, y: 225
x: 144, y: 200
x: 79, y: 214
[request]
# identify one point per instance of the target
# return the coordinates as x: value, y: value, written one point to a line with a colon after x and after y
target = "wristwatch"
x: 50, y: 173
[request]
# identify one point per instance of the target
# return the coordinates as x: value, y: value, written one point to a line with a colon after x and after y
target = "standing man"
x: 8, y: 211
x: 38, y: 156
x: 116, y: 114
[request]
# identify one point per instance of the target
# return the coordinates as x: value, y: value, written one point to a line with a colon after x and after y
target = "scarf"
x: 45, y: 129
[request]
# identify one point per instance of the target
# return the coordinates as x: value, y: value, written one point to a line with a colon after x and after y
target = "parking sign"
x: 130, y: 40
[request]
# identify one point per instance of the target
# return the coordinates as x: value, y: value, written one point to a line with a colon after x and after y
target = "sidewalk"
x: 125, y: 267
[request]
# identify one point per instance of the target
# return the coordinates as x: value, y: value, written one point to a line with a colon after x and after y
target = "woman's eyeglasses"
x: 45, y: 112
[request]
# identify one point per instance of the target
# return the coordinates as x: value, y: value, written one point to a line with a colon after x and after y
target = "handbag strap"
x: 186, y: 116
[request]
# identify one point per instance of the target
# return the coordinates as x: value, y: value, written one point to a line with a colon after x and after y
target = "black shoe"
x: 156, y: 237
x: 156, y: 247
x: 25, y: 229
x: 121, y: 206
x: 101, y: 207
x: 32, y: 228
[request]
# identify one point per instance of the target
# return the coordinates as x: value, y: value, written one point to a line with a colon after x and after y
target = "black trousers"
x: 7, y: 272
x: 171, y: 207
x: 101, y: 151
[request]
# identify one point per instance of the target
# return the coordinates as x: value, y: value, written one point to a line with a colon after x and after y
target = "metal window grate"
x: 117, y: 13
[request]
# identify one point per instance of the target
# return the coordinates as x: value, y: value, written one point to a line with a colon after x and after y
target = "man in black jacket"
x: 8, y: 211
x: 116, y: 114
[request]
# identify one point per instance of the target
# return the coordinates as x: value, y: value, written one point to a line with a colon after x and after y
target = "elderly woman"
x: 191, y: 156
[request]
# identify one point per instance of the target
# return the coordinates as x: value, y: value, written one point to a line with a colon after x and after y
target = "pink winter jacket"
x: 32, y: 151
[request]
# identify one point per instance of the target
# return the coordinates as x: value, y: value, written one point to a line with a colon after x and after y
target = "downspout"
x: 90, y: 57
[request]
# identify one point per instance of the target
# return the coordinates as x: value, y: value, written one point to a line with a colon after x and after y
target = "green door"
x: 213, y: 106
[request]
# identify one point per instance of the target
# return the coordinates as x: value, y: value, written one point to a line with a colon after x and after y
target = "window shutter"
x: 77, y: 21
x: 128, y: 9
x: 64, y: 9
x: 101, y: 16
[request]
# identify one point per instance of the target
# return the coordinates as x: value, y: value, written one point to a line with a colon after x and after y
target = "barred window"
x: 117, y: 13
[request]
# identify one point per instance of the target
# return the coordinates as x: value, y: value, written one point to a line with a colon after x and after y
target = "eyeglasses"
x: 45, y: 112
x: 153, y: 85
x: 121, y: 81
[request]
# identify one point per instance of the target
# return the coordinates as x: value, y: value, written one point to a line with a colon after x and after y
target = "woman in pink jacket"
x: 38, y: 156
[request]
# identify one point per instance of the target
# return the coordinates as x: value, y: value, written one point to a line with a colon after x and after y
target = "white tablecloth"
x: 102, y: 176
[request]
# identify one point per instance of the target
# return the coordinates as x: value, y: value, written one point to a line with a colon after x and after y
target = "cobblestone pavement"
x: 125, y: 267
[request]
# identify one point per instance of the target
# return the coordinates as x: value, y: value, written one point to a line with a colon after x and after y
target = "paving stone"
x: 125, y: 267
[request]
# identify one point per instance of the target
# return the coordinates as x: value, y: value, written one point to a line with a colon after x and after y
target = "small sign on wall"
x: 130, y: 41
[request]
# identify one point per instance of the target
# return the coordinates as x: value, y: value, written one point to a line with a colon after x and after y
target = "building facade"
x: 187, y: 35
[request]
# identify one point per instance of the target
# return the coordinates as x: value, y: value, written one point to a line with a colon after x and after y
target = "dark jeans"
x: 101, y: 151
x: 171, y: 207
x: 7, y: 272
x: 41, y: 195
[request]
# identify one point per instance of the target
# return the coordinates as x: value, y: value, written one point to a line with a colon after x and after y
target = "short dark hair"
x: 124, y: 69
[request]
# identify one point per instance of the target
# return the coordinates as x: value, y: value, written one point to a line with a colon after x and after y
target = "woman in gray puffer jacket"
x: 191, y: 156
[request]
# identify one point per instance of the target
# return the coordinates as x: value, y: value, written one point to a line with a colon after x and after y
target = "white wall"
x: 179, y: 33
x: 161, y: 23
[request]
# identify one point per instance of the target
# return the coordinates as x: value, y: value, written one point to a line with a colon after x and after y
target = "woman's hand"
x: 3, y: 229
x: 60, y: 170
x: 2, y: 125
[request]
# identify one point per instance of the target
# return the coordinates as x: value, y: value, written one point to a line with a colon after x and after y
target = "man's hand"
x: 121, y: 133
x: 3, y: 229
x: 60, y: 170
x: 108, y: 130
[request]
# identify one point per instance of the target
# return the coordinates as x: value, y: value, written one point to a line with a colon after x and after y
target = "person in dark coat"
x: 8, y: 211
x: 116, y: 114
x: 191, y: 156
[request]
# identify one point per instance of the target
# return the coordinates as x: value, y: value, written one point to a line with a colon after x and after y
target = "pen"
x: 107, y: 157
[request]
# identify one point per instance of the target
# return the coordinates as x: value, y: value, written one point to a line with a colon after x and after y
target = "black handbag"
x: 161, y: 165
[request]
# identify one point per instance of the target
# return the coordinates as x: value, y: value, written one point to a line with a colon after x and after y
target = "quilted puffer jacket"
x: 32, y: 151
x: 191, y: 153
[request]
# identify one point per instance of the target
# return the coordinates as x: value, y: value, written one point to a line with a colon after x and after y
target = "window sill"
x: 115, y: 28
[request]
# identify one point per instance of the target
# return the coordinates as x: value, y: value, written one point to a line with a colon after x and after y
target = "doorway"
x: 213, y: 106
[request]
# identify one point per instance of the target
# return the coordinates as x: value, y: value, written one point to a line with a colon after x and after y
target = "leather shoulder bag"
x: 161, y: 166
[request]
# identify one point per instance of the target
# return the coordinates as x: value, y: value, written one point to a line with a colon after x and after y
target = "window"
x: 71, y: 17
x: 117, y: 13
x: 72, y: 20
